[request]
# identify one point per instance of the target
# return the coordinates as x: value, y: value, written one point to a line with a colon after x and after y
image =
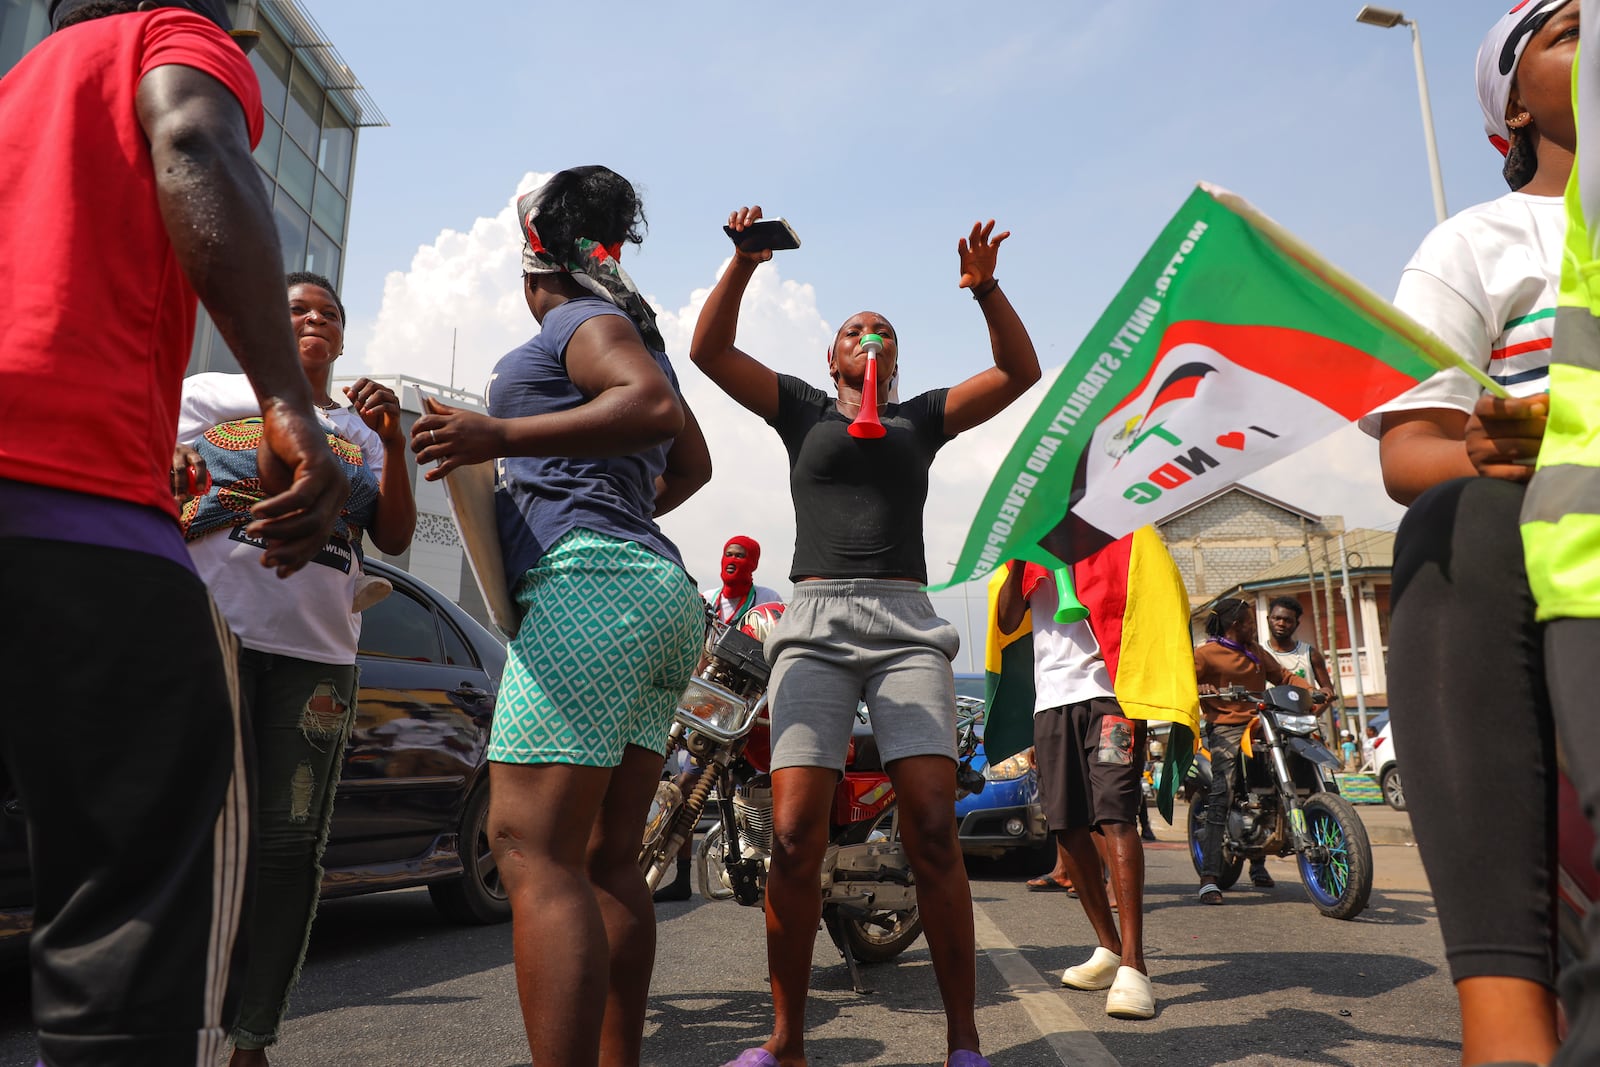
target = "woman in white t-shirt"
x: 298, y: 635
x: 1467, y: 659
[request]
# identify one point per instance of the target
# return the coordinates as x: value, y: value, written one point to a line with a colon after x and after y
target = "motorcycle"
x: 1289, y: 804
x: 868, y: 893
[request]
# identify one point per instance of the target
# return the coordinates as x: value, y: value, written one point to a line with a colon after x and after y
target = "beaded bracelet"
x: 984, y: 289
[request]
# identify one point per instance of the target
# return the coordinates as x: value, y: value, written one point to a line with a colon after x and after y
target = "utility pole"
x: 1316, y: 615
x: 1355, y: 642
x: 1333, y: 627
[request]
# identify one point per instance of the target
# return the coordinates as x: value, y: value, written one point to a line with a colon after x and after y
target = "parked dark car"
x: 415, y: 785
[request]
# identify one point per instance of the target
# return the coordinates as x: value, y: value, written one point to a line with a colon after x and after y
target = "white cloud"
x: 466, y: 284
x: 468, y: 281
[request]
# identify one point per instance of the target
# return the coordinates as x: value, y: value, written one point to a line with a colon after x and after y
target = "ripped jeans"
x: 300, y: 715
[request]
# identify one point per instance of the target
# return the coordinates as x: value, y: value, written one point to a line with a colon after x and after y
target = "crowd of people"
x: 204, y: 537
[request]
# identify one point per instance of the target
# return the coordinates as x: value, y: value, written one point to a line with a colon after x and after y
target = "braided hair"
x: 1522, y: 162
x: 1224, y: 616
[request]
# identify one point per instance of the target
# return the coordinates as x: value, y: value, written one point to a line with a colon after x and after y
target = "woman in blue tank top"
x: 592, y: 441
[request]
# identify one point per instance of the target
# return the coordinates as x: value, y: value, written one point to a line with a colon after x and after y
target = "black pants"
x: 1473, y: 725
x: 120, y: 733
x: 1222, y: 742
x: 1572, y: 646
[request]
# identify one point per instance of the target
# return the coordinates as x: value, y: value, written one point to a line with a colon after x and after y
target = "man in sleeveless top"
x: 1296, y: 656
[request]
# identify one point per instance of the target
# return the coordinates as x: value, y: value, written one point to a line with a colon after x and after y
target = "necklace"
x: 855, y: 406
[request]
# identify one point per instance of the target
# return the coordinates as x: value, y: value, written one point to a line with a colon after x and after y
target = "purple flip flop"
x: 760, y: 1057
x: 965, y: 1057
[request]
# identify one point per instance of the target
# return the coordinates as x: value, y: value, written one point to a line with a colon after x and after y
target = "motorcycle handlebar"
x: 1239, y: 692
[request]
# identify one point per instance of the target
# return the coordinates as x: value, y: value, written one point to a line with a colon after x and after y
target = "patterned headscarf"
x: 596, y: 269
x: 1498, y: 57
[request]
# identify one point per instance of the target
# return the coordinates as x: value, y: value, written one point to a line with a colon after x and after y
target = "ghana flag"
x: 1139, y: 615
x: 1232, y: 345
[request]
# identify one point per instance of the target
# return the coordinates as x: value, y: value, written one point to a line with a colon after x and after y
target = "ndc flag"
x: 1232, y: 346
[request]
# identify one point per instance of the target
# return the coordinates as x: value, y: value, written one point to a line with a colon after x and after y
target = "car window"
x: 456, y: 649
x: 401, y: 627
x: 970, y: 685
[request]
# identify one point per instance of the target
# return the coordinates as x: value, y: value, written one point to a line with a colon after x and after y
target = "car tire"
x: 1394, y: 793
x: 477, y: 898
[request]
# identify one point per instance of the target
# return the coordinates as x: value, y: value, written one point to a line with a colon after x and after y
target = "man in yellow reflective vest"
x: 1561, y: 512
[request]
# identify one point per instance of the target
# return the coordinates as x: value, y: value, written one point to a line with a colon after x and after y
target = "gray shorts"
x: 841, y: 641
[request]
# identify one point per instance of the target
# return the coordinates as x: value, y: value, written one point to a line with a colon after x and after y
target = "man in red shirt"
x: 125, y: 141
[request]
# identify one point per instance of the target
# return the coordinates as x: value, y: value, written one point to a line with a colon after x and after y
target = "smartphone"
x: 764, y: 235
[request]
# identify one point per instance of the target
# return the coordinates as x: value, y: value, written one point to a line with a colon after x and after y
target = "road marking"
x: 1073, y: 1042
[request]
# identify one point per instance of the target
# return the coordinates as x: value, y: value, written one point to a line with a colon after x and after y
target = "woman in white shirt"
x: 1467, y: 674
x: 298, y: 635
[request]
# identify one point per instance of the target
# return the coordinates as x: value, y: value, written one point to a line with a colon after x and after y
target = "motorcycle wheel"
x: 869, y: 942
x: 1232, y: 865
x: 1341, y: 885
x: 653, y: 860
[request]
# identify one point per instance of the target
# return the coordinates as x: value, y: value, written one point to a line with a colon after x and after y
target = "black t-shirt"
x: 858, y: 503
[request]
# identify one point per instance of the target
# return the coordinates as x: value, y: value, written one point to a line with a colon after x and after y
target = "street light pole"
x: 1384, y: 18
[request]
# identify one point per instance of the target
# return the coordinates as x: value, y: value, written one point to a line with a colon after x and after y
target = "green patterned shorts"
x: 610, y: 635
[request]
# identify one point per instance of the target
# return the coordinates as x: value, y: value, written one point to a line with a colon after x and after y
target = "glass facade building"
x: 315, y: 109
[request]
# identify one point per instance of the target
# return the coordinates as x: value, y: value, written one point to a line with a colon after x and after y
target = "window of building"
x: 337, y: 147
x: 322, y: 254
x: 294, y: 226
x: 302, y: 116
x: 219, y: 357
x: 271, y: 60
x: 329, y: 208
x: 297, y: 174
x: 266, y: 152
x: 23, y: 23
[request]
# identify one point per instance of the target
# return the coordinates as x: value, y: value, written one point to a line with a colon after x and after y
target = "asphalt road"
x: 1263, y: 980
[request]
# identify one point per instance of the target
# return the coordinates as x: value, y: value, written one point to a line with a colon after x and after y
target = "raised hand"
x: 379, y: 408
x: 308, y: 487
x: 740, y: 219
x: 454, y: 438
x: 978, y: 253
x: 1503, y: 435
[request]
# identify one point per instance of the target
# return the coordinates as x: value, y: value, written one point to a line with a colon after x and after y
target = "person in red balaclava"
x: 731, y: 600
x: 738, y: 592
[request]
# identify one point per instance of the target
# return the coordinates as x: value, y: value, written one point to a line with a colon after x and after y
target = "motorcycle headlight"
x: 1010, y: 769
x: 1297, y: 724
x: 706, y: 704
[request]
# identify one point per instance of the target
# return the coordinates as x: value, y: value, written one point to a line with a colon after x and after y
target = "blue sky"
x: 881, y: 131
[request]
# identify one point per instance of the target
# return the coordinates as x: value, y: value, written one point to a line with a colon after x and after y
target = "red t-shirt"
x: 96, y: 318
